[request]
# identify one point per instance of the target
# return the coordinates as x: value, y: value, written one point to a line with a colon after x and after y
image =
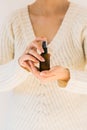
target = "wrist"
x: 63, y: 82
x: 67, y: 75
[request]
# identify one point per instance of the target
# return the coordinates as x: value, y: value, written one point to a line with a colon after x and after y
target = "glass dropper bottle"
x: 46, y: 64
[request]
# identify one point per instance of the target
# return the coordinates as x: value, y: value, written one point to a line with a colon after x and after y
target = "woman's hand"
x: 55, y: 73
x: 31, y: 54
x: 31, y: 57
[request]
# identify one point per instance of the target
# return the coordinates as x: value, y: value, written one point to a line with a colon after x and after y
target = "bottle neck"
x: 44, y: 45
x: 45, y: 50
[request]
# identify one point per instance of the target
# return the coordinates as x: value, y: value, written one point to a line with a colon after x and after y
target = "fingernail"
x: 42, y: 51
x: 43, y: 59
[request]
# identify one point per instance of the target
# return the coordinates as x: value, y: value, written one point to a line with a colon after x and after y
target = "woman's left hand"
x: 55, y: 73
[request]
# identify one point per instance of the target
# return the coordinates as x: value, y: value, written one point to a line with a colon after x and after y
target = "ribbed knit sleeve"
x: 78, y: 79
x: 11, y: 74
x: 77, y: 82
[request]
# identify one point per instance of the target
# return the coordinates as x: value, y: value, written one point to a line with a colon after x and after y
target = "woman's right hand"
x: 31, y: 54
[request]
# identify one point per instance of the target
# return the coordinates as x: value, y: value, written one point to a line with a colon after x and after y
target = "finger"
x: 37, y: 45
x: 28, y: 57
x: 47, y: 79
x: 36, y: 55
x: 29, y: 62
x: 52, y: 72
x: 51, y: 78
x: 47, y: 73
x: 35, y: 71
x: 26, y: 66
x: 41, y: 39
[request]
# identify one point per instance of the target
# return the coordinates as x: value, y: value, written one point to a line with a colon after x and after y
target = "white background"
x: 6, y: 7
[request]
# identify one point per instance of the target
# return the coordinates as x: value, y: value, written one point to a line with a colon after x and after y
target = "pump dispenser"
x: 46, y: 64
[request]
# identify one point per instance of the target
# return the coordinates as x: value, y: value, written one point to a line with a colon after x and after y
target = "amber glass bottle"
x: 46, y: 64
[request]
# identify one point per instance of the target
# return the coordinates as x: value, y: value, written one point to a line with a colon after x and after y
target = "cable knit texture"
x: 45, y: 106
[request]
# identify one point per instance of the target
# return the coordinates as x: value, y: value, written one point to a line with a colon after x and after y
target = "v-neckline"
x: 58, y: 33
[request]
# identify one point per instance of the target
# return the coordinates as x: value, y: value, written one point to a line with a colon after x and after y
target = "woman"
x: 39, y: 101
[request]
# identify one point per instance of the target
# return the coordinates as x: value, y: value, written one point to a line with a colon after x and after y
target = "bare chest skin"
x: 46, y: 26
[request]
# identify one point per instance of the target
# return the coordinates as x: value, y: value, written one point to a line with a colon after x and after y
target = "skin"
x: 52, y: 9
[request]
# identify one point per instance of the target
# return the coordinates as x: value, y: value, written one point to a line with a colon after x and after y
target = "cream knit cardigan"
x: 38, y: 106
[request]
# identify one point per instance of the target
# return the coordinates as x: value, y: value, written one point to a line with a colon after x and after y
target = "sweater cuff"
x: 77, y: 82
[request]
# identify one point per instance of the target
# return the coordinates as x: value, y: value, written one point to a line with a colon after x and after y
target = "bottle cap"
x: 44, y: 45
